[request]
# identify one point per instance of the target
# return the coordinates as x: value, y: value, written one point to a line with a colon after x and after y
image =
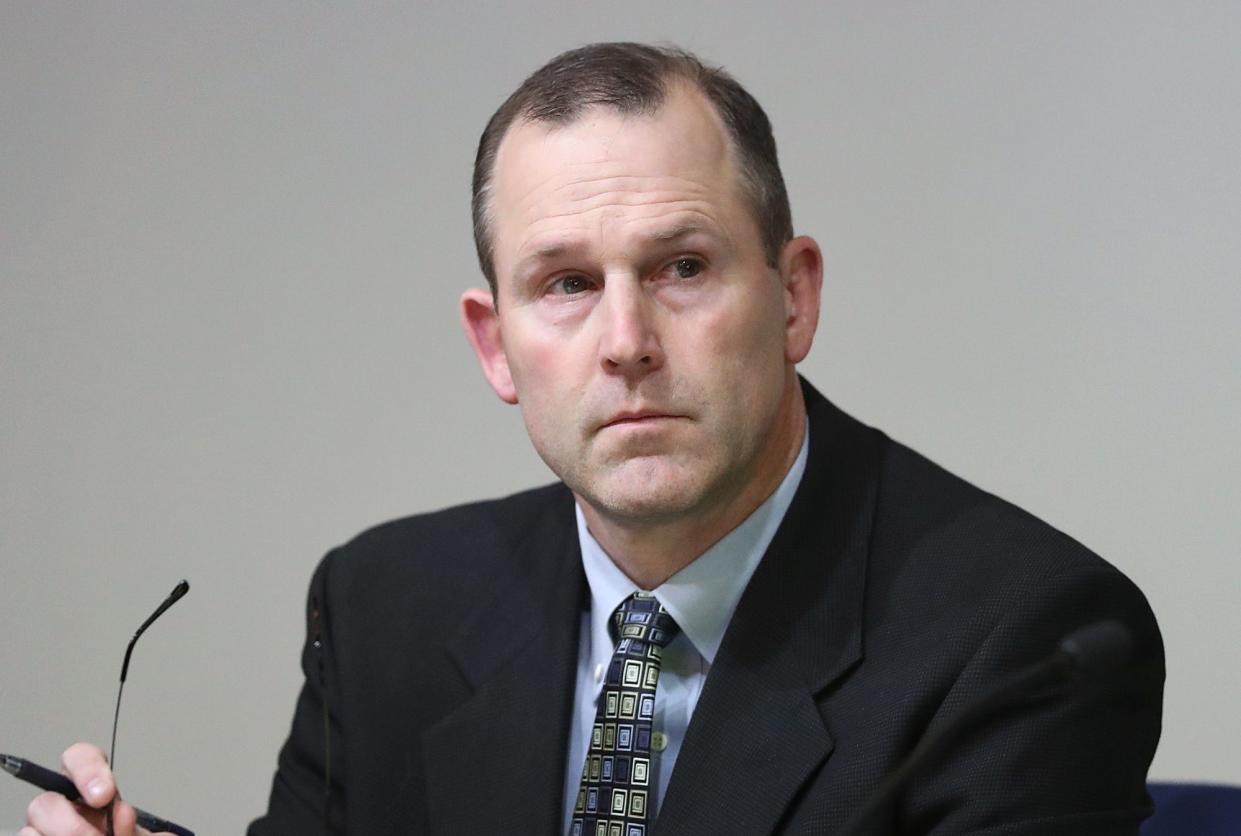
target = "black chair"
x: 1194, y: 810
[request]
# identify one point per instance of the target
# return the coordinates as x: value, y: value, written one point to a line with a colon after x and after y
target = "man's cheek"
x: 531, y: 368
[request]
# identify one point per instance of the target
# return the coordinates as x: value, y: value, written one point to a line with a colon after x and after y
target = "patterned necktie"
x: 612, y: 799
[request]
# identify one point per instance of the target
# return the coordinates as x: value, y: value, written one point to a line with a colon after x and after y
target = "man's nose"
x: 630, y: 343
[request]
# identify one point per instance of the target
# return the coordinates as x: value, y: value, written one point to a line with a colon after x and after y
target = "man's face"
x: 639, y: 325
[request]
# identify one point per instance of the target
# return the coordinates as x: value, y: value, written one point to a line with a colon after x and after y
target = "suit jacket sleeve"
x: 300, y: 801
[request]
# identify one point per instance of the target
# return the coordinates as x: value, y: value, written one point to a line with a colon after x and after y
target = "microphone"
x: 177, y: 593
x: 1085, y: 657
x: 173, y: 597
x: 1097, y: 650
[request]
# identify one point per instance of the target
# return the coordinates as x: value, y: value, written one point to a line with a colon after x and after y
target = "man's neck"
x: 650, y: 552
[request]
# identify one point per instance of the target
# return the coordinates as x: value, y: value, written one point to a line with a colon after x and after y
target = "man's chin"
x: 647, y: 495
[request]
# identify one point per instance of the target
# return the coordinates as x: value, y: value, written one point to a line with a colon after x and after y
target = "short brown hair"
x: 632, y: 78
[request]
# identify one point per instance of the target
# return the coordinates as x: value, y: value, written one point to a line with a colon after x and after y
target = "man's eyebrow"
x: 555, y: 249
x: 545, y: 252
x: 676, y: 233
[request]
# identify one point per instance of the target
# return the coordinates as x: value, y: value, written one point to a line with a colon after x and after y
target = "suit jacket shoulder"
x: 454, y: 554
x: 413, y: 626
x: 899, y: 593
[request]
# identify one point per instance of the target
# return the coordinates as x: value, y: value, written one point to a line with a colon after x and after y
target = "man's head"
x: 634, y: 79
x: 638, y: 316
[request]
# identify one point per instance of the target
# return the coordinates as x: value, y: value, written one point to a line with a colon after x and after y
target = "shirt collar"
x: 703, y: 595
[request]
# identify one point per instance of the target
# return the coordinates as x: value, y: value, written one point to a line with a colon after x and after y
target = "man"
x: 800, y: 598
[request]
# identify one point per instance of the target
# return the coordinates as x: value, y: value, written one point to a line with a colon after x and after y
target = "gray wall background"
x: 233, y: 236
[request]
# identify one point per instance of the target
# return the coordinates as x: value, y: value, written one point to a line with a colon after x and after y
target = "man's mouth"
x: 639, y: 418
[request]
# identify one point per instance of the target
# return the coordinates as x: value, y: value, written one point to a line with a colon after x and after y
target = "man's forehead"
x: 551, y: 178
x: 685, y: 136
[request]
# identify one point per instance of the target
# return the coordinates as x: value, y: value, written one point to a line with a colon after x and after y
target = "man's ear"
x: 482, y: 329
x: 801, y: 270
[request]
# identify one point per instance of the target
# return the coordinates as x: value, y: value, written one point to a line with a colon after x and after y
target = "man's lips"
x: 639, y: 418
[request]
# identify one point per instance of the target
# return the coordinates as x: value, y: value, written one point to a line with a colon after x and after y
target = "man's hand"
x: 51, y: 814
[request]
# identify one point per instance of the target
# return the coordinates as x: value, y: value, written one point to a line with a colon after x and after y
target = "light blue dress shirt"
x: 702, y: 598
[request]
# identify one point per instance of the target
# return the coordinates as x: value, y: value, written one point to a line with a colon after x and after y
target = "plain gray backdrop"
x: 234, y: 235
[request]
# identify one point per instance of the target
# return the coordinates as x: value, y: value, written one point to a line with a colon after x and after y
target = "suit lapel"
x: 496, y: 764
x: 757, y: 733
x: 735, y: 774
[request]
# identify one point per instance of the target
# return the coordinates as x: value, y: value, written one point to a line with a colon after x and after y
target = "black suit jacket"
x: 892, y: 595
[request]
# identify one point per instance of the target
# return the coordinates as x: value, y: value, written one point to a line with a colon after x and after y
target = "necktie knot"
x: 641, y: 617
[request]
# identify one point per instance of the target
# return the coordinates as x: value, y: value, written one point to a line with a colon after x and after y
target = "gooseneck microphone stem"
x: 1011, y: 689
x: 173, y: 597
x: 1092, y: 652
x: 116, y: 717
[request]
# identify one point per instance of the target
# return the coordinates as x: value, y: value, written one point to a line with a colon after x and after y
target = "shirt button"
x: 599, y: 673
x: 659, y: 741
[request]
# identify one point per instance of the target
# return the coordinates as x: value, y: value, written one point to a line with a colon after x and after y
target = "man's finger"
x: 125, y: 821
x: 52, y: 813
x: 87, y: 767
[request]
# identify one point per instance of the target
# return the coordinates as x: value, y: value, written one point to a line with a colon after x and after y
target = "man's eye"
x: 570, y: 285
x: 687, y: 268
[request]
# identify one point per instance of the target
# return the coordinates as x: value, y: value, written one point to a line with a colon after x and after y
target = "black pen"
x: 46, y: 779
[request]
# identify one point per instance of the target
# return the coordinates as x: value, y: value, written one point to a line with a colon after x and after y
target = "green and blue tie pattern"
x: 616, y: 778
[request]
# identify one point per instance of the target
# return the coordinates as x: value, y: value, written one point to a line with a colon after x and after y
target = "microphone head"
x: 1098, y: 650
x: 179, y: 590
